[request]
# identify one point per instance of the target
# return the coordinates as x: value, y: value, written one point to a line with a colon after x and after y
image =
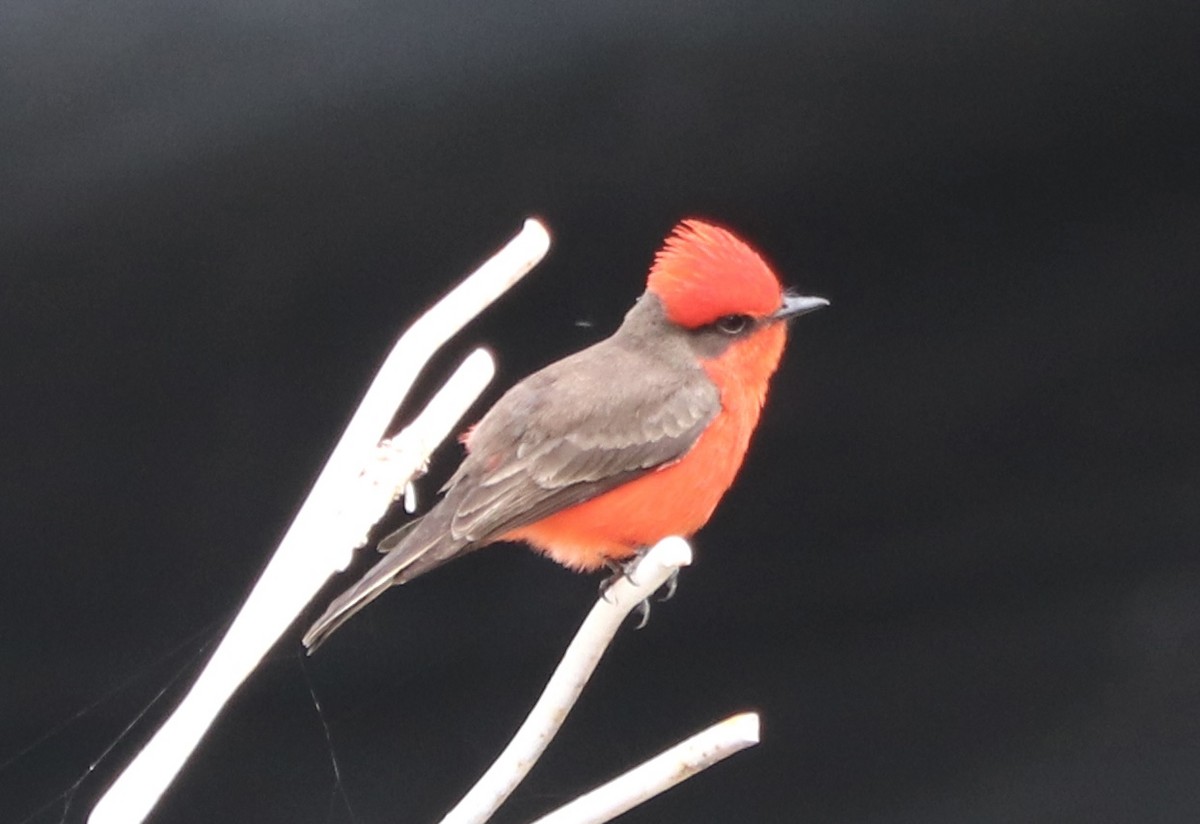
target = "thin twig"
x: 568, y: 680
x: 660, y: 773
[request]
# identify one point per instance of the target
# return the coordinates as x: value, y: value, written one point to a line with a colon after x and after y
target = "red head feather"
x: 704, y: 272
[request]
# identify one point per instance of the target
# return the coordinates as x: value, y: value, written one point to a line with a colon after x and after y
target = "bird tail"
x: 414, y: 549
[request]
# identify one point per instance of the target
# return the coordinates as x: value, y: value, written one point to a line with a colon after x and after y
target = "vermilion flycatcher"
x: 614, y: 448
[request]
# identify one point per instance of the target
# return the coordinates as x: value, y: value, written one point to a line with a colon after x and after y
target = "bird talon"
x: 643, y: 609
x: 671, y: 585
x: 617, y: 572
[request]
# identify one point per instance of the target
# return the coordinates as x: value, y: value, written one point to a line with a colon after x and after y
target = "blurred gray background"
x: 959, y: 573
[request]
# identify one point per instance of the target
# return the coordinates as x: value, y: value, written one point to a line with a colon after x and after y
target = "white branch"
x: 402, y: 458
x: 568, y: 680
x: 332, y: 521
x: 660, y: 773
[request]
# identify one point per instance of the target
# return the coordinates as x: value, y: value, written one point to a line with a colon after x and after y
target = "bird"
x: 607, y: 451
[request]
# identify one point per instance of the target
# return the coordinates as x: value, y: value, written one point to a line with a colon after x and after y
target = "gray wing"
x: 571, y: 432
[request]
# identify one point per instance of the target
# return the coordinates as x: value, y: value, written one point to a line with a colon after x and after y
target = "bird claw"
x: 671, y: 585
x: 627, y: 568
x: 616, y: 573
x: 643, y: 609
x: 619, y: 571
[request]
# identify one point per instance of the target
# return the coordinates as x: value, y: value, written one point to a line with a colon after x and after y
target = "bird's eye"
x: 732, y: 324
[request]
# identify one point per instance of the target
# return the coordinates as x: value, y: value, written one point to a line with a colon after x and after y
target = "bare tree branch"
x: 580, y: 660
x: 348, y: 497
x: 660, y: 773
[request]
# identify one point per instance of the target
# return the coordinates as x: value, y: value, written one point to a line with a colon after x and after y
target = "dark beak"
x: 794, y: 306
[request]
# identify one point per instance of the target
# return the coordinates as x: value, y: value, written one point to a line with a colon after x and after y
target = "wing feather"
x: 567, y: 434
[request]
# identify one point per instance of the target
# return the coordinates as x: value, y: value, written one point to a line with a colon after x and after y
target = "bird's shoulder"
x: 611, y: 394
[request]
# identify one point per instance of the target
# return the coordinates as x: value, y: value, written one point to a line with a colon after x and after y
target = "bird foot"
x: 671, y: 585
x: 618, y: 571
x: 643, y: 611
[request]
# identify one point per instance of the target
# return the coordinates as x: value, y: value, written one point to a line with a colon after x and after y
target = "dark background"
x: 959, y: 573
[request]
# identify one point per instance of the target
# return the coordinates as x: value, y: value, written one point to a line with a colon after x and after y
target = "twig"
x: 660, y: 773
x: 331, y: 523
x: 568, y: 680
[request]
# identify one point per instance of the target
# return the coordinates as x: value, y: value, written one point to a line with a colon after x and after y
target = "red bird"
x: 614, y: 448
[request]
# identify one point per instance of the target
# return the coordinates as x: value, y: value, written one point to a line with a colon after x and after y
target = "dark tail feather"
x: 412, y: 550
